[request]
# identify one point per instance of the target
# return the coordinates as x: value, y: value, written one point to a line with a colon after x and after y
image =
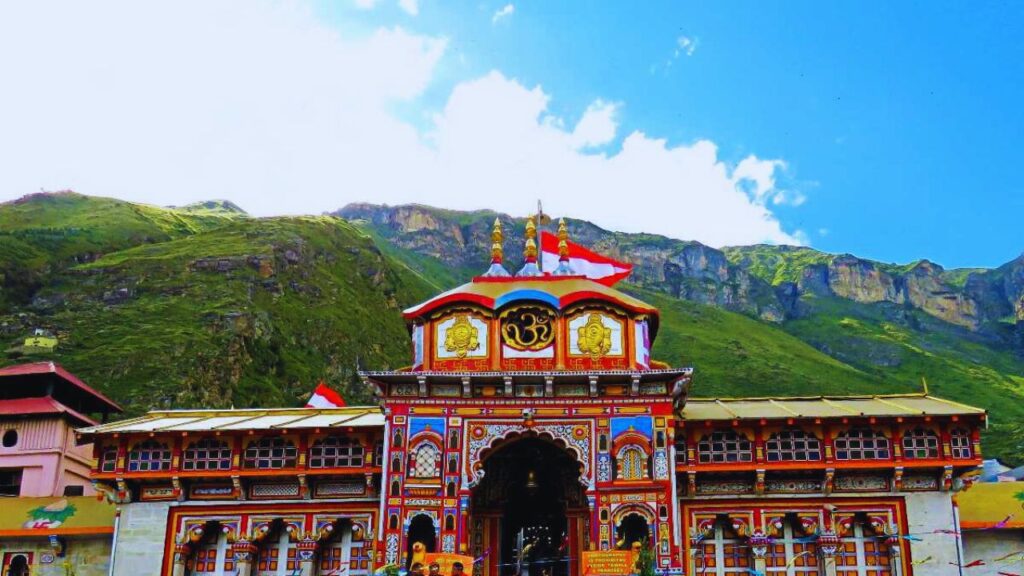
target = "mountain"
x: 749, y: 317
x: 205, y: 306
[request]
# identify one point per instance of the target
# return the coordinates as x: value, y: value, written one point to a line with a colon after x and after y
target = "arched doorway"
x: 18, y: 566
x: 632, y: 528
x: 421, y: 531
x: 531, y: 509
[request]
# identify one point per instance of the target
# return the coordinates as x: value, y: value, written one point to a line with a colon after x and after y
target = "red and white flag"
x: 324, y: 397
x: 582, y: 261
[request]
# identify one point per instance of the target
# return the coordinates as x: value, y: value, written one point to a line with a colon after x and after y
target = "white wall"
x: 140, y: 539
x: 926, y: 513
x: 992, y: 544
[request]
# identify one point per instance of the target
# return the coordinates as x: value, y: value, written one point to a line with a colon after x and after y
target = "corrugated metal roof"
x: 36, y: 368
x: 823, y: 407
x: 246, y: 419
x: 42, y: 405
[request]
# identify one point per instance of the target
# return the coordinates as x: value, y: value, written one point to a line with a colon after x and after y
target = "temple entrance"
x: 422, y: 538
x: 529, y: 510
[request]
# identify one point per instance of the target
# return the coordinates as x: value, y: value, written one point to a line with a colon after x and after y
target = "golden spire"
x: 496, y: 238
x: 563, y: 241
x: 530, y: 253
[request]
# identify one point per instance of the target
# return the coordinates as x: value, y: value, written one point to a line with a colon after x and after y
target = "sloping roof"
x: 246, y: 419
x: 61, y: 516
x: 96, y: 400
x: 701, y: 409
x: 987, y: 504
x: 558, y: 291
x: 44, y: 405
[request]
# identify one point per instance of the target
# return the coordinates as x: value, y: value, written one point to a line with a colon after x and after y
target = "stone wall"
x: 140, y: 540
x: 926, y: 513
x: 990, y: 545
x: 84, y: 556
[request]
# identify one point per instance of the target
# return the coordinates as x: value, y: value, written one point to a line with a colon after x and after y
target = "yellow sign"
x: 608, y: 563
x: 447, y: 563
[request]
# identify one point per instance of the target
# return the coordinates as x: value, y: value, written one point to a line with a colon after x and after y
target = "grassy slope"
x: 258, y: 335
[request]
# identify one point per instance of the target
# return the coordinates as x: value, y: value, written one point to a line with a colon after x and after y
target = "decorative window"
x: 792, y: 553
x: 724, y: 446
x: 336, y: 555
x: 149, y: 456
x: 631, y: 463
x: 277, y: 557
x: 680, y: 448
x: 920, y: 443
x: 335, y: 452
x: 207, y: 454
x: 723, y: 553
x: 271, y: 454
x: 863, y: 553
x: 214, y: 557
x: 961, y: 444
x: 425, y: 461
x: 108, y: 458
x: 862, y: 444
x: 793, y: 446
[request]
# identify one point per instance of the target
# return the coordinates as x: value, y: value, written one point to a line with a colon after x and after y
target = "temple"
x: 531, y: 426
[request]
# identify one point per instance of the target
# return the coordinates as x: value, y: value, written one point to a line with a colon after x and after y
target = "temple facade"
x: 531, y: 426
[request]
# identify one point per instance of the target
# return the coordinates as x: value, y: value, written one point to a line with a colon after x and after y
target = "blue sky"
x: 887, y: 130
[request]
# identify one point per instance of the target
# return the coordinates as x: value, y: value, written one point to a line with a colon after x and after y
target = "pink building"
x: 41, y: 404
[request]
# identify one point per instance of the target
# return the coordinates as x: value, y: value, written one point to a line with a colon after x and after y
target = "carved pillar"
x: 181, y: 553
x: 307, y: 556
x: 245, y: 555
x: 759, y: 543
x: 828, y: 544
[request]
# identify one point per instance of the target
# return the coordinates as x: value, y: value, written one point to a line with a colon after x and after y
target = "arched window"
x: 631, y: 463
x: 270, y: 453
x: 149, y: 456
x: 425, y: 461
x: 335, y: 452
x: 723, y: 553
x: 207, y: 454
x: 724, y: 446
x: 862, y: 444
x: 961, y: 444
x: 449, y: 522
x: 920, y: 443
x: 108, y: 458
x: 793, y: 446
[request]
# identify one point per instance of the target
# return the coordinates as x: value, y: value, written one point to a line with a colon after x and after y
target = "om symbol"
x: 528, y: 328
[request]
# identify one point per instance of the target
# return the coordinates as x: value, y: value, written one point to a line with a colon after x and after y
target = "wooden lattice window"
x: 335, y: 452
x: 723, y: 553
x: 276, y: 554
x: 108, y: 458
x: 207, y: 454
x: 920, y: 443
x: 149, y: 456
x: 214, y: 557
x: 793, y: 446
x: 792, y: 553
x: 425, y: 461
x: 724, y: 446
x: 862, y: 444
x: 961, y: 444
x: 271, y: 454
x: 631, y: 463
x: 863, y: 553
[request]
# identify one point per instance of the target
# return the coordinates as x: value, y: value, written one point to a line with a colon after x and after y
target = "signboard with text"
x: 608, y: 563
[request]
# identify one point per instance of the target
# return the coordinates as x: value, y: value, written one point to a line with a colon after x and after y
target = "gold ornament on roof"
x: 594, y: 338
x: 461, y: 337
x: 496, y: 238
x: 531, y: 245
x: 563, y: 240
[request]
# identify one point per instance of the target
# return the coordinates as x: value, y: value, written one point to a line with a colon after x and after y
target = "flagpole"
x: 540, y: 249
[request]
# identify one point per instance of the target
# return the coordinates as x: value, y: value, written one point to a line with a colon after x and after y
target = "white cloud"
x: 506, y: 10
x: 267, y: 106
x: 686, y: 45
x: 597, y: 126
x: 411, y: 7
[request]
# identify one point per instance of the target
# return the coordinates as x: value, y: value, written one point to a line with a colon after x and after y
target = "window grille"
x: 793, y: 446
x: 920, y: 443
x: 149, y: 456
x: 862, y: 444
x: 207, y: 454
x: 270, y: 454
x: 961, y: 444
x: 724, y: 446
x: 632, y: 463
x: 425, y: 461
x: 108, y: 459
x: 335, y: 452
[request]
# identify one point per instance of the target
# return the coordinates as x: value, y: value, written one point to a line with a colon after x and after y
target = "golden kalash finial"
x: 563, y: 269
x: 530, y: 252
x: 497, y: 252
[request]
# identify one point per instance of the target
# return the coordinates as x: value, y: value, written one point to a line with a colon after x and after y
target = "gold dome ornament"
x: 564, y: 268
x: 461, y: 337
x: 594, y: 338
x: 530, y: 251
x: 497, y: 253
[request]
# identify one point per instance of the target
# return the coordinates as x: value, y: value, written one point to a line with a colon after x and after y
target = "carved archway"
x: 484, y: 438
